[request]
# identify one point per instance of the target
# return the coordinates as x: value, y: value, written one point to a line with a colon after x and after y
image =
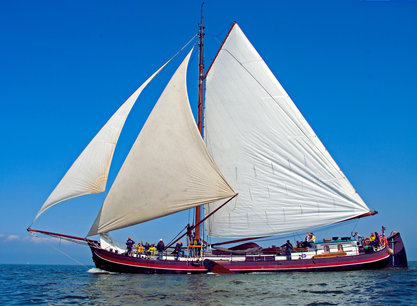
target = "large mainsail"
x: 168, y: 168
x: 88, y: 174
x: 266, y: 150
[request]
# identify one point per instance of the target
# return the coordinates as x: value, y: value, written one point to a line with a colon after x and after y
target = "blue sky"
x: 350, y: 67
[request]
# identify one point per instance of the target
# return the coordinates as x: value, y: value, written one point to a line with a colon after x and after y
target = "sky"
x: 66, y: 66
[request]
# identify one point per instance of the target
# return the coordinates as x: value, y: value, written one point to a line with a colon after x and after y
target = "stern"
x: 398, y: 257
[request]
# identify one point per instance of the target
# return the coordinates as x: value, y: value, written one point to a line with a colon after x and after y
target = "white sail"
x: 266, y: 150
x: 88, y: 174
x: 168, y: 168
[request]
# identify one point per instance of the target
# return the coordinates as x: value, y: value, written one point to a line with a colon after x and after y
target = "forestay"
x: 286, y: 179
x: 168, y: 168
x: 88, y: 174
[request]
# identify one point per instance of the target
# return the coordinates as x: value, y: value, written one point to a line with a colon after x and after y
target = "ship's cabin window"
x: 326, y: 249
x: 340, y: 248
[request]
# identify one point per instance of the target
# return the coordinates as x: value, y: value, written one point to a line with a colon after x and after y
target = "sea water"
x: 58, y: 284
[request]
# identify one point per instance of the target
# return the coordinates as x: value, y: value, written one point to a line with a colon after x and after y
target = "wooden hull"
x: 109, y: 261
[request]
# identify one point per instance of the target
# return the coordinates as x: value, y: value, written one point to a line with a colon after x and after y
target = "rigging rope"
x: 70, y: 257
x: 62, y: 252
x: 180, y: 232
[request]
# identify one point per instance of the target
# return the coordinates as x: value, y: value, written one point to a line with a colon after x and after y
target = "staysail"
x: 168, y: 168
x: 266, y: 150
x: 88, y: 174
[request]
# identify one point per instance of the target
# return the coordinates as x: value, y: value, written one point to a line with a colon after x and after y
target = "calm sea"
x: 47, y: 284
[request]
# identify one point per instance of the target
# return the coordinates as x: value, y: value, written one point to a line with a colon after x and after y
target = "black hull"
x: 109, y: 261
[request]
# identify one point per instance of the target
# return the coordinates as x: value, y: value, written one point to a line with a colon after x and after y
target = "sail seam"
x: 332, y: 162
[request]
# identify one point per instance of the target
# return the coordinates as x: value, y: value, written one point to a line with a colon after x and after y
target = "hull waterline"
x: 113, y: 262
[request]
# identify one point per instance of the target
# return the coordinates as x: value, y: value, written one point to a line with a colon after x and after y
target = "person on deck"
x: 287, y: 248
x: 198, y: 245
x: 357, y: 237
x: 189, y: 233
x: 152, y: 250
x: 139, y: 249
x: 377, y: 239
x: 306, y: 240
x: 287, y: 245
x: 191, y: 247
x: 372, y: 240
x: 146, y: 248
x: 178, y: 250
x: 311, y: 240
x: 161, y: 248
x: 129, y: 245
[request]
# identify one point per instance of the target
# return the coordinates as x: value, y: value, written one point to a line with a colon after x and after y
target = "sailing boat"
x: 258, y: 154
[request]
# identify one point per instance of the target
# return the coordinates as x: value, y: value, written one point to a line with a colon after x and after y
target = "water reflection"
x: 289, y: 288
x: 70, y: 284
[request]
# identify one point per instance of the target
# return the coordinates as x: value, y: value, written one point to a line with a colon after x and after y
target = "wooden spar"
x: 234, y: 23
x: 239, y: 240
x: 370, y: 213
x: 200, y: 108
x: 61, y: 235
x: 202, y: 221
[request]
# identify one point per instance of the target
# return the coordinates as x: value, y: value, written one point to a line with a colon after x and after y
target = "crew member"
x: 372, y: 240
x: 287, y: 248
x: 311, y: 240
x: 161, y: 248
x: 189, y: 233
x: 129, y: 245
x: 178, y: 249
x: 146, y: 248
x: 152, y: 250
x: 140, y: 249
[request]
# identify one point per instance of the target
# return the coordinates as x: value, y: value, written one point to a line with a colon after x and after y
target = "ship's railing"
x: 195, y: 250
x: 191, y: 251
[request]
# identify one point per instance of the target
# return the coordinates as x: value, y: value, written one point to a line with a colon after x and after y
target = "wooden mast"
x: 200, y: 107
